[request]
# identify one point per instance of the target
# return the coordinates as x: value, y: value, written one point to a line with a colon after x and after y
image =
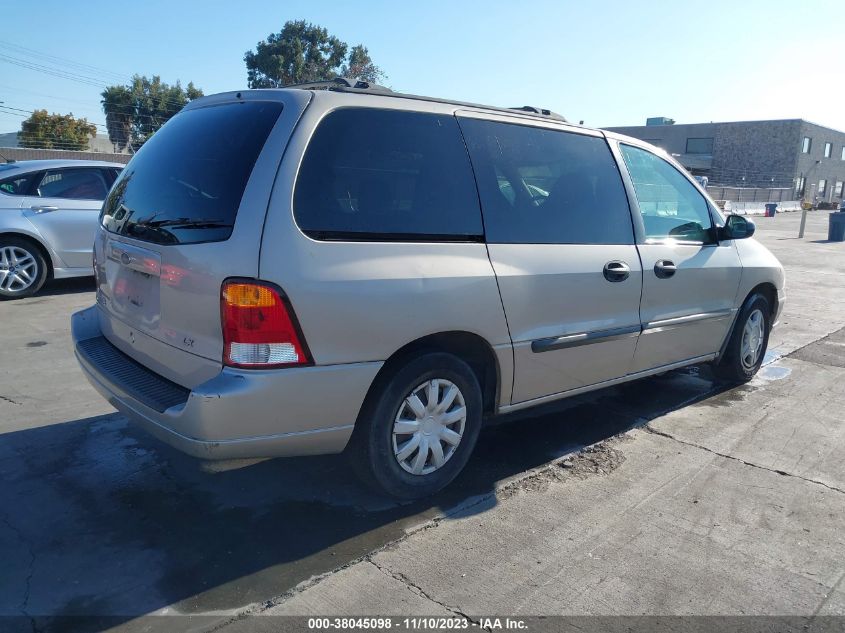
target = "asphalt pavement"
x: 670, y: 496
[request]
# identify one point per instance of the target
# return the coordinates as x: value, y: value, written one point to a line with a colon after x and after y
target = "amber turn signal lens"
x: 248, y: 296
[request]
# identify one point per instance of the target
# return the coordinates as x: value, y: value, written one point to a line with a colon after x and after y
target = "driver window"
x: 671, y: 207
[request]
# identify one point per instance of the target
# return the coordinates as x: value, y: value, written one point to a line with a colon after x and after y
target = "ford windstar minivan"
x: 311, y: 270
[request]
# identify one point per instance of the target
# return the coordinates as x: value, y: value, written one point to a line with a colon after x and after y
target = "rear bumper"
x: 236, y: 414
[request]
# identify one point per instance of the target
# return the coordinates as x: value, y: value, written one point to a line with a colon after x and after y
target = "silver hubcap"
x: 18, y: 269
x: 752, y: 339
x: 429, y: 426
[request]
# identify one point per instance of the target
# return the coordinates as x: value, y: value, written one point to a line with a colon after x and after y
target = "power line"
x: 59, y: 142
x: 49, y: 71
x: 27, y: 113
x: 67, y: 74
x: 7, y: 88
x: 61, y: 60
x: 132, y: 113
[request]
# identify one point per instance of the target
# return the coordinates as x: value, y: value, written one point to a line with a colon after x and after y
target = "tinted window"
x: 672, y: 208
x: 185, y: 184
x: 15, y: 185
x: 385, y: 174
x: 75, y: 184
x: 699, y: 146
x: 546, y: 186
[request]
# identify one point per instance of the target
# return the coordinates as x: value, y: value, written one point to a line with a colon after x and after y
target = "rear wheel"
x: 23, y: 269
x: 749, y: 340
x: 419, y: 430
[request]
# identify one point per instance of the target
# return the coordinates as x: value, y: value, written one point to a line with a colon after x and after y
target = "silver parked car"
x: 305, y: 271
x: 48, y: 217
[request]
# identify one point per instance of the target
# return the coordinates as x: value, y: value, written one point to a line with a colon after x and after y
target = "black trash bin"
x: 836, y: 227
x: 771, y: 209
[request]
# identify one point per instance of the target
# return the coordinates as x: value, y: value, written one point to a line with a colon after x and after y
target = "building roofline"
x: 626, y: 127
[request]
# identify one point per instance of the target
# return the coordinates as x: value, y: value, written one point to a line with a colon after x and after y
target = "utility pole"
x: 804, y: 212
x: 813, y: 197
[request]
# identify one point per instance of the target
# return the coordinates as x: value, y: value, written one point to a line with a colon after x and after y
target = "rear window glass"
x: 185, y: 184
x: 545, y: 186
x: 15, y: 185
x: 373, y: 174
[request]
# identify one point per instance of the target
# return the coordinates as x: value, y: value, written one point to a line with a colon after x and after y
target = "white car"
x: 48, y: 218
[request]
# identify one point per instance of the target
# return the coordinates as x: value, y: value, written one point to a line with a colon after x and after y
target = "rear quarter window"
x: 17, y: 185
x: 371, y: 174
x: 186, y: 183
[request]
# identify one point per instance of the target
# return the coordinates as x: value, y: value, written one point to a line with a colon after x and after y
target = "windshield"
x: 185, y: 184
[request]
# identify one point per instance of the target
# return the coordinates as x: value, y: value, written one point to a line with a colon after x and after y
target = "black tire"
x: 732, y: 367
x: 371, y: 448
x: 36, y: 268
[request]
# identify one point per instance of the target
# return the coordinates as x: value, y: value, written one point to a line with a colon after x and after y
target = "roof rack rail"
x: 340, y: 83
x: 359, y: 86
x: 540, y: 111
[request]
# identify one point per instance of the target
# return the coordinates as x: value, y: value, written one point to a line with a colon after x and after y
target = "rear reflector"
x: 259, y: 327
x: 263, y: 353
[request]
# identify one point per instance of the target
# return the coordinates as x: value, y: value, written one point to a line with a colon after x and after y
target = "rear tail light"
x: 259, y: 327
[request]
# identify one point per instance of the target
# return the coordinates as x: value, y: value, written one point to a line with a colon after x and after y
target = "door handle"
x: 616, y: 271
x: 665, y: 268
x: 43, y: 209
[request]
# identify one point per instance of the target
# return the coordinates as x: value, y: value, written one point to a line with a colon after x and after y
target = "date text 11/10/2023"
x: 420, y: 623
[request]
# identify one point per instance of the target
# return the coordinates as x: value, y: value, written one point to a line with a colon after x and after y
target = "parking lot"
x: 693, y: 498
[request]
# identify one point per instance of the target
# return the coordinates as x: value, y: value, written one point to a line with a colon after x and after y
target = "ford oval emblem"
x: 125, y: 259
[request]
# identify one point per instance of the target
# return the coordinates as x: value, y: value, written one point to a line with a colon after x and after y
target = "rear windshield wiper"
x: 187, y: 223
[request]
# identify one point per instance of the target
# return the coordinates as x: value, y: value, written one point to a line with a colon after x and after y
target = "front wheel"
x: 420, y: 427
x: 749, y: 340
x: 23, y: 269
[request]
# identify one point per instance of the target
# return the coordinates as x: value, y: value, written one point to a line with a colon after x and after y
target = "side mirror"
x: 737, y: 227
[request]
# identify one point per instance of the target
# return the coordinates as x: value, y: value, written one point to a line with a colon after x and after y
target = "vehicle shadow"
x: 101, y: 521
x: 56, y: 287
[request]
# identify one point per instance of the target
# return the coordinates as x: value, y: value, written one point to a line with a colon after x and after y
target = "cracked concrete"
x: 416, y: 589
x: 675, y: 526
x: 726, y: 502
x: 742, y: 461
x: 30, y: 570
x: 689, y: 515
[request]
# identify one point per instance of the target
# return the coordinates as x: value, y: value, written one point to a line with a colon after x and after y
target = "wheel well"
x: 769, y: 291
x: 470, y: 348
x: 766, y: 289
x: 38, y: 245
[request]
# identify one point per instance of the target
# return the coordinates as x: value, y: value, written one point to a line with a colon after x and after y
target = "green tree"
x: 361, y: 66
x: 303, y: 52
x: 56, y: 131
x: 135, y: 111
x: 118, y: 106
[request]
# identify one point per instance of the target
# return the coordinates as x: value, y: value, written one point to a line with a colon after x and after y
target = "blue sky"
x: 605, y: 62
